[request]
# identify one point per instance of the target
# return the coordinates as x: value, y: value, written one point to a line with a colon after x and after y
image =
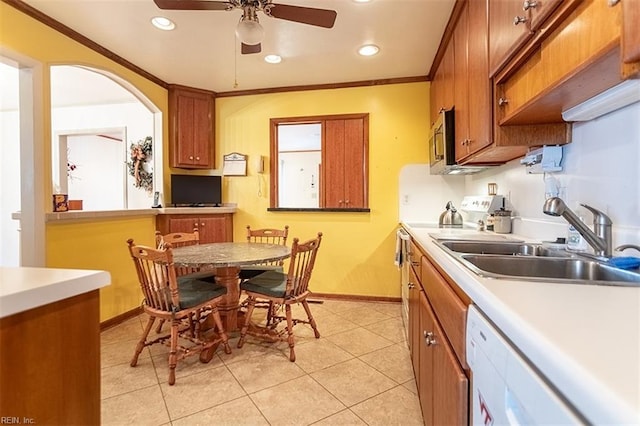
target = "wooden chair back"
x: 179, y: 239
x: 303, y: 258
x: 269, y: 236
x: 157, y: 277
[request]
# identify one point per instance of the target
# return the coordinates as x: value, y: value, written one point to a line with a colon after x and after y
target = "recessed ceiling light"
x: 368, y: 50
x: 273, y: 59
x: 362, y: 1
x: 163, y: 23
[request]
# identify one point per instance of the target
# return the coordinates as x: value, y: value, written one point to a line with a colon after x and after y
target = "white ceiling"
x: 202, y: 51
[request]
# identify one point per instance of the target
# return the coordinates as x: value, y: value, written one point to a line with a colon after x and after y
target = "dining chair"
x: 283, y: 289
x: 175, y: 299
x: 179, y: 239
x: 267, y: 236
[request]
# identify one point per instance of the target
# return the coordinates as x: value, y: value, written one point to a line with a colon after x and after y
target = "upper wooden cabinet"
x: 512, y: 23
x: 472, y: 91
x: 579, y: 57
x: 442, y: 87
x: 191, y: 130
x: 630, y: 32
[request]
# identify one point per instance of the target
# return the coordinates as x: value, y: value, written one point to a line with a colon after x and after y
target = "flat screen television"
x: 196, y: 191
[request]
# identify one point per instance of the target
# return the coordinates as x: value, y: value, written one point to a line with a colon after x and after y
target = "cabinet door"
x: 504, y: 35
x: 426, y: 390
x: 448, y: 82
x: 183, y: 224
x: 344, y: 174
x: 444, y: 386
x: 191, y: 128
x: 415, y: 331
x: 461, y: 87
x: 630, y: 32
x: 451, y: 386
x: 213, y: 229
x: 479, y: 93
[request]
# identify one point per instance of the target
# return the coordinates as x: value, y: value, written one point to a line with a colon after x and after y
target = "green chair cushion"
x: 248, y: 272
x: 198, y: 288
x: 270, y: 283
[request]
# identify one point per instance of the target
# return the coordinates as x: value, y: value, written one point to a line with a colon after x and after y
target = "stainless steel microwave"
x: 442, y: 145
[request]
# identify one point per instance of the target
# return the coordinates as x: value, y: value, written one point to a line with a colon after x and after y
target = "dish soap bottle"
x: 575, y: 241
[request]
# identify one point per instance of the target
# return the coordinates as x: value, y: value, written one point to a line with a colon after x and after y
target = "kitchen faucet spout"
x: 599, y: 238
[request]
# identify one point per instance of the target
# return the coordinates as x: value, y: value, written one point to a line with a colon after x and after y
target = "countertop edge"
x: 595, y: 399
x: 74, y: 215
x: 29, y: 288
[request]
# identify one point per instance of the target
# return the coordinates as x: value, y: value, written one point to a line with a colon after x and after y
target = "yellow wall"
x: 356, y: 256
x: 93, y: 245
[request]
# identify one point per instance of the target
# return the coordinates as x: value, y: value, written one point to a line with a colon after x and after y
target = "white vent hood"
x: 625, y: 93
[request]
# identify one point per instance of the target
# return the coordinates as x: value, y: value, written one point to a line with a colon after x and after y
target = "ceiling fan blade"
x: 248, y: 49
x: 192, y: 5
x: 305, y: 15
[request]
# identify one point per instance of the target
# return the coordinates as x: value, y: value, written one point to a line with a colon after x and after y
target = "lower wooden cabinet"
x: 442, y: 384
x: 213, y: 228
x: 437, y: 315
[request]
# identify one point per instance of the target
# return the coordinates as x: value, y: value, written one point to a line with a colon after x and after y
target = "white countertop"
x: 584, y: 338
x: 22, y: 289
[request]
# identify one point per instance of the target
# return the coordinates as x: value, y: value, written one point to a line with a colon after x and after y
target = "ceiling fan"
x: 249, y: 30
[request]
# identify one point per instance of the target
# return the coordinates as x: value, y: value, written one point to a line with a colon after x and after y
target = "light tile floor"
x: 358, y: 373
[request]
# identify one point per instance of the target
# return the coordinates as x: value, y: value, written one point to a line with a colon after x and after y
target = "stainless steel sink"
x: 502, y: 248
x: 535, y: 262
x: 550, y: 269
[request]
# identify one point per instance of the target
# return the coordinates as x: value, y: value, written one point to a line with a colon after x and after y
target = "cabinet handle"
x: 613, y: 2
x: 429, y: 339
x: 202, y: 224
x: 191, y: 157
x: 529, y: 4
x: 415, y: 263
x: 411, y: 286
x: 519, y: 20
x: 503, y: 101
x: 340, y: 201
x: 198, y: 158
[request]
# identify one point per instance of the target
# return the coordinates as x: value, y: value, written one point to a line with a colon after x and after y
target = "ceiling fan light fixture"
x: 163, y: 23
x: 368, y: 50
x: 250, y: 32
x: 273, y: 59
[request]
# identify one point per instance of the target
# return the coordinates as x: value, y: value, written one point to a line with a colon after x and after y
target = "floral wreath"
x: 140, y: 153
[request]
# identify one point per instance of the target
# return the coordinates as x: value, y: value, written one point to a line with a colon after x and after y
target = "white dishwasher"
x: 505, y: 389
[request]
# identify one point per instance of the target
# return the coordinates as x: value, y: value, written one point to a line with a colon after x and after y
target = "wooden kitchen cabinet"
x: 630, y: 32
x: 344, y: 158
x: 510, y: 26
x: 437, y: 316
x: 472, y: 91
x: 414, y: 327
x: 191, y: 129
x: 577, y: 60
x: 443, y: 385
x: 442, y: 87
x: 213, y: 228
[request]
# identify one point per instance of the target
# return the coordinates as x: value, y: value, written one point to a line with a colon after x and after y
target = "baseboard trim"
x: 118, y: 319
x: 112, y: 322
x: 354, y: 297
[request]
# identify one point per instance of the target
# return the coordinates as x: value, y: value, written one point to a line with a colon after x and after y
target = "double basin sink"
x: 535, y: 262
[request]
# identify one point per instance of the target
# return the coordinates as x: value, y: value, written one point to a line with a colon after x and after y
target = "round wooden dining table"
x: 227, y: 258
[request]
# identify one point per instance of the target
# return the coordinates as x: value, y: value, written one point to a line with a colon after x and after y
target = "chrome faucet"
x: 599, y: 238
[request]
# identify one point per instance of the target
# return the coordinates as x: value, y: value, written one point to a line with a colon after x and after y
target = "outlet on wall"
x: 405, y: 199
